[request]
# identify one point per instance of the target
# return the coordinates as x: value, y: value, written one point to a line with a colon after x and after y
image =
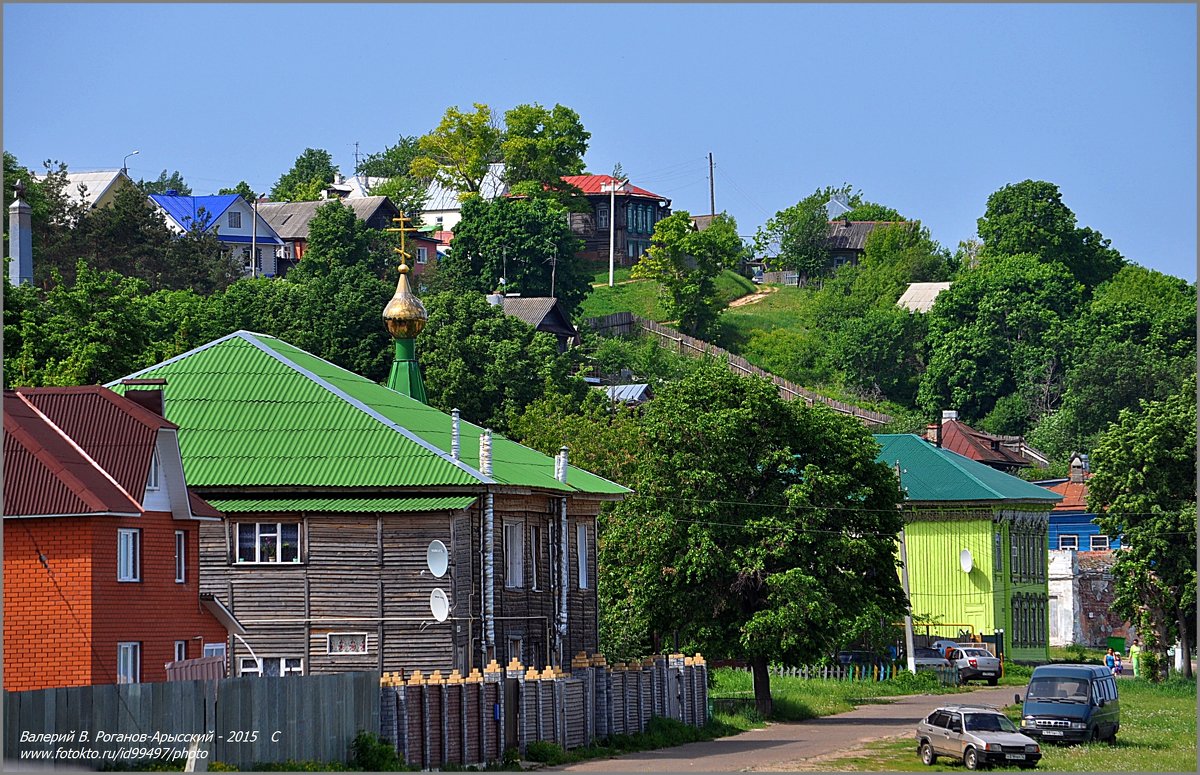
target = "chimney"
x: 146, y: 393
x: 1077, y: 468
x: 949, y: 414
x: 485, y: 452
x: 454, y: 433
x: 20, y: 238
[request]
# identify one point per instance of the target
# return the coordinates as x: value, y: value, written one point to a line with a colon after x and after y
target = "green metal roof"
x: 253, y: 410
x: 341, y: 505
x: 934, y: 474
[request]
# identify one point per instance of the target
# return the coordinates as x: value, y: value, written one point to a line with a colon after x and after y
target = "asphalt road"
x: 787, y: 746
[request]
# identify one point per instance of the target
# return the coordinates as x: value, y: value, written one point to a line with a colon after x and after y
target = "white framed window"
x: 602, y: 216
x: 422, y: 255
x: 271, y: 666
x: 180, y: 650
x: 152, y: 476
x: 180, y: 556
x: 535, y: 550
x: 514, y: 554
x: 1099, y: 543
x: 581, y: 554
x: 346, y: 643
x: 250, y: 666
x: 235, y: 219
x: 129, y: 663
x: 129, y: 554
x: 268, y: 542
x: 1067, y: 541
x: 214, y: 649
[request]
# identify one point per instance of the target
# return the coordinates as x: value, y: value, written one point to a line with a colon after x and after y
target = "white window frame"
x: 514, y: 555
x: 180, y: 650
x: 214, y: 650
x: 329, y: 641
x: 234, y: 221
x: 258, y: 536
x: 422, y: 255
x: 1099, y: 543
x: 601, y: 216
x: 249, y: 666
x: 129, y: 554
x: 129, y: 662
x: 257, y: 667
x: 535, y: 548
x: 180, y: 556
x: 153, y: 475
x: 581, y: 555
x: 1074, y: 541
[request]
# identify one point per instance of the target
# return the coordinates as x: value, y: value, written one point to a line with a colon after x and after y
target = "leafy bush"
x: 546, y: 752
x: 368, y: 752
x: 921, y: 682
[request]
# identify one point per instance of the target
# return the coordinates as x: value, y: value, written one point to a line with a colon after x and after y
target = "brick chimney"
x: 147, y: 393
x: 20, y: 238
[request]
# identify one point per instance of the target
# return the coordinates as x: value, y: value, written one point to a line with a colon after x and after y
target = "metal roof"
x: 637, y: 393
x: 290, y: 220
x: 540, y: 312
x: 185, y: 210
x: 959, y: 437
x: 342, y: 505
x: 919, y: 297
x: 97, y: 183
x: 852, y: 235
x: 439, y: 197
x: 932, y: 474
x: 256, y: 411
x: 597, y: 184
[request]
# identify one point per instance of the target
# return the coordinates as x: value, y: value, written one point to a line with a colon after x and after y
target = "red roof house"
x: 101, y: 542
x: 999, y: 452
x: 635, y: 211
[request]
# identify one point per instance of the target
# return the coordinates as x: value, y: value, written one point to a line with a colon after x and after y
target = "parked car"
x: 1071, y: 703
x: 930, y: 658
x: 858, y: 658
x: 975, y: 664
x: 977, y: 735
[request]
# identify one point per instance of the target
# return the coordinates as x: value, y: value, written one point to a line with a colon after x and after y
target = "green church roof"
x: 253, y: 410
x: 934, y: 474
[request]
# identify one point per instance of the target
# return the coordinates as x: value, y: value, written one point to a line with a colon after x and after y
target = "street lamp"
x: 125, y: 162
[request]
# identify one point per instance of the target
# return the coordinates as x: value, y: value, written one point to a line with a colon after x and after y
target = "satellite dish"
x: 439, y: 605
x: 966, y: 561
x: 437, y: 557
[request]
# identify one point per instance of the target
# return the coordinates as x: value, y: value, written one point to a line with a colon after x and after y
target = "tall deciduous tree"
x: 1030, y: 217
x: 685, y: 262
x: 310, y: 173
x: 1143, y: 488
x: 335, y: 238
x: 457, y: 153
x: 528, y: 242
x: 1000, y: 329
x: 761, y: 528
x: 243, y: 190
x: 393, y: 161
x: 540, y: 146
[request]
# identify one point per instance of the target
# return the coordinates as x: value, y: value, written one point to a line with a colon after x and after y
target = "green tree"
x: 870, y: 211
x: 341, y: 319
x: 760, y: 528
x: 1030, y: 217
x: 883, y: 353
x: 528, y: 242
x: 797, y: 237
x: 1000, y: 329
x: 406, y: 192
x: 685, y: 262
x: 487, y: 364
x: 1143, y: 489
x: 457, y: 153
x: 243, y: 190
x: 336, y: 238
x: 540, y: 146
x: 393, y: 161
x: 164, y: 183
x: 310, y: 173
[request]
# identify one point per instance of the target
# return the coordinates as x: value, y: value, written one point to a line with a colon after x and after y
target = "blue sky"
x: 926, y: 108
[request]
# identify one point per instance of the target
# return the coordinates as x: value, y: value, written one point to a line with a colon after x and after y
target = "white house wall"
x: 1065, y: 627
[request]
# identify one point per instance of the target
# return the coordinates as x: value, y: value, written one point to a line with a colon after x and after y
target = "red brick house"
x: 101, y: 542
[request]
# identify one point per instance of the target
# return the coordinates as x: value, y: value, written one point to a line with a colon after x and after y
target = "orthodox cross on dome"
x: 405, y: 317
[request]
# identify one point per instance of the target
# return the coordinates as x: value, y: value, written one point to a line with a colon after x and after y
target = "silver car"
x: 974, y: 664
x: 978, y: 735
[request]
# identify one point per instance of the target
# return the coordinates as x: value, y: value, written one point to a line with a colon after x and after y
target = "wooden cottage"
x: 367, y: 530
x: 976, y: 544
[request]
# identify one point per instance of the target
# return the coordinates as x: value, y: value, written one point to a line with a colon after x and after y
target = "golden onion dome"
x: 404, y: 315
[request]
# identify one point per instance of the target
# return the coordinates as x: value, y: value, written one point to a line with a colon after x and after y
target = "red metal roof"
x: 45, y: 473
x: 1074, y: 495
x: 596, y: 184
x: 115, y: 432
x: 977, y: 445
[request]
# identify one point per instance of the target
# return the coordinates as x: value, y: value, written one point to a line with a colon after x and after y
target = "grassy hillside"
x: 641, y: 296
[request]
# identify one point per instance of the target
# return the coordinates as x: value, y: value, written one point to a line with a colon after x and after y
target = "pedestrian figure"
x: 1117, y: 660
x: 1135, y: 656
x: 1109, y: 660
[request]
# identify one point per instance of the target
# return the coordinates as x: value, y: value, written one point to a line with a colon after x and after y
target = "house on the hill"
x: 95, y: 189
x: 976, y: 545
x: 101, y: 542
x: 636, y: 210
x: 919, y: 297
x: 847, y: 240
x: 1003, y: 453
x: 443, y: 205
x: 232, y: 220
x: 366, y: 530
x: 541, y: 312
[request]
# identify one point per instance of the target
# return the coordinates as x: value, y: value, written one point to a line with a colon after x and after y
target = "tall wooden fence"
x: 439, y: 720
x: 240, y: 721
x: 626, y: 323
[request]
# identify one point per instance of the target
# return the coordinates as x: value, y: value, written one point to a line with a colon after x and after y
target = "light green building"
x: 976, y: 544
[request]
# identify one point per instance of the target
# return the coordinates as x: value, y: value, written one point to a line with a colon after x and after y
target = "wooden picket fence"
x: 626, y: 323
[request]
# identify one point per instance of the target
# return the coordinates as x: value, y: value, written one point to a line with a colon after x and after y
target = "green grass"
x: 1158, y: 734
x: 641, y: 296
x: 785, y: 308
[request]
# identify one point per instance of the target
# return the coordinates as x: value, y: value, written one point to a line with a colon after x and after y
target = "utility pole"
x: 908, y: 624
x: 612, y: 223
x: 712, y: 198
x: 553, y: 267
x: 254, y: 241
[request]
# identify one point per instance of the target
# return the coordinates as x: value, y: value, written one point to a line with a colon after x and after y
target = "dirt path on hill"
x: 754, y: 298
